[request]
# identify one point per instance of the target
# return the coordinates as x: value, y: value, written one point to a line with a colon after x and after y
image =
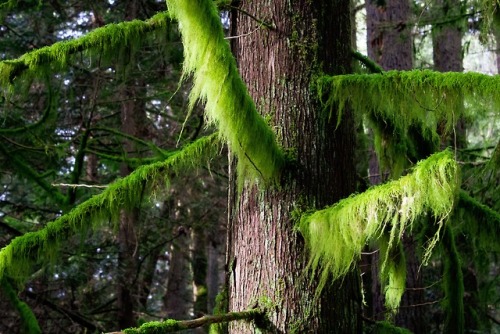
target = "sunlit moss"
x: 335, y: 236
x: 409, y: 110
x: 216, y: 81
x: 105, y: 40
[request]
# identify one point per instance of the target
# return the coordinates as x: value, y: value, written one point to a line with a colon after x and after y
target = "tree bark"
x: 179, y: 298
x: 390, y: 42
x: 267, y: 256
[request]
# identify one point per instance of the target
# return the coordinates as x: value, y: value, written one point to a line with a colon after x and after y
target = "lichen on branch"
x: 216, y: 81
x: 336, y: 235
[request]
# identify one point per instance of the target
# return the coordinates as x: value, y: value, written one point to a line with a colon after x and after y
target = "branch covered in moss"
x: 106, y: 40
x: 370, y: 64
x: 336, y: 235
x: 422, y: 96
x: 170, y: 325
x: 29, y: 321
x: 23, y: 252
x: 453, y: 282
x: 208, y: 58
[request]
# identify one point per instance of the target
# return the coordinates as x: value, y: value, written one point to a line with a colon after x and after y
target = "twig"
x: 77, y: 185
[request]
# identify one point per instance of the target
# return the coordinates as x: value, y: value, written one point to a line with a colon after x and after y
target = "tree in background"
x: 293, y: 241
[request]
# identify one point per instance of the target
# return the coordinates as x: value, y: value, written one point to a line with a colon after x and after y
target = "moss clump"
x: 157, y: 327
x: 336, y: 235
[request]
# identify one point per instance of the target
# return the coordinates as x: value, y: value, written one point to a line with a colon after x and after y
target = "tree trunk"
x: 267, y: 256
x: 179, y: 298
x: 390, y: 42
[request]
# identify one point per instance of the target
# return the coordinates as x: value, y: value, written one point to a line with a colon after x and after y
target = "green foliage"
x: 336, y: 235
x: 105, y: 40
x: 29, y: 322
x: 19, y: 256
x: 216, y: 82
x: 392, y: 272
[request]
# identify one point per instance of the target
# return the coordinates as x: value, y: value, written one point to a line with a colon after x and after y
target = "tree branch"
x: 171, y: 325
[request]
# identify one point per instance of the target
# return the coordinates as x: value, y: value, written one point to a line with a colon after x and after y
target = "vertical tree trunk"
x: 267, y: 256
x: 390, y: 43
x: 133, y: 123
x: 389, y: 39
x: 178, y: 298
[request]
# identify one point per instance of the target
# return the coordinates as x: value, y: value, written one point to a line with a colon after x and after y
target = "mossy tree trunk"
x: 267, y: 256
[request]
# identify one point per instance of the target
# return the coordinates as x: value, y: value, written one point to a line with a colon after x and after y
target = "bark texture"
x: 179, y: 297
x: 267, y: 256
x: 390, y: 42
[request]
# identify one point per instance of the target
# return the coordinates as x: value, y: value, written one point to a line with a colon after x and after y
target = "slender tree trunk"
x: 179, y: 298
x: 267, y: 256
x: 390, y: 43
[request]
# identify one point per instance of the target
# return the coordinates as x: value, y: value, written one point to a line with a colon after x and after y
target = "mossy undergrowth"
x: 216, y: 81
x: 335, y: 236
x: 17, y: 258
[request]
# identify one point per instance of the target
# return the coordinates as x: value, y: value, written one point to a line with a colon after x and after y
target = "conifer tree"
x: 286, y: 106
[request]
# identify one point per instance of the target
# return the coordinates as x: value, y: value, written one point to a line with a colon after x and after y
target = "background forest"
x: 117, y: 103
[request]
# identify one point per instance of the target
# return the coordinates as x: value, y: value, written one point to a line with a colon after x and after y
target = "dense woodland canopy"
x: 239, y: 166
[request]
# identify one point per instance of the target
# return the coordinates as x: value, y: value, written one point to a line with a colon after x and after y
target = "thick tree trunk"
x: 267, y: 256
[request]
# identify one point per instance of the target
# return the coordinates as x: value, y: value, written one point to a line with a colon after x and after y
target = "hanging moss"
x: 392, y: 272
x: 22, y: 253
x: 409, y: 110
x: 105, y: 40
x: 453, y: 284
x: 216, y: 81
x: 336, y: 235
x: 29, y: 322
x: 423, y: 97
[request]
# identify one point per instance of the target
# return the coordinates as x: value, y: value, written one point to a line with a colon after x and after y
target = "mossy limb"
x: 216, y: 81
x: 335, y: 236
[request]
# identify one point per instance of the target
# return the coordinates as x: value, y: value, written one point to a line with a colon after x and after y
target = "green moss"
x: 408, y: 109
x: 106, y: 40
x: 29, y: 322
x: 22, y: 253
x: 335, y: 236
x: 157, y: 327
x: 216, y: 81
x: 384, y: 327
